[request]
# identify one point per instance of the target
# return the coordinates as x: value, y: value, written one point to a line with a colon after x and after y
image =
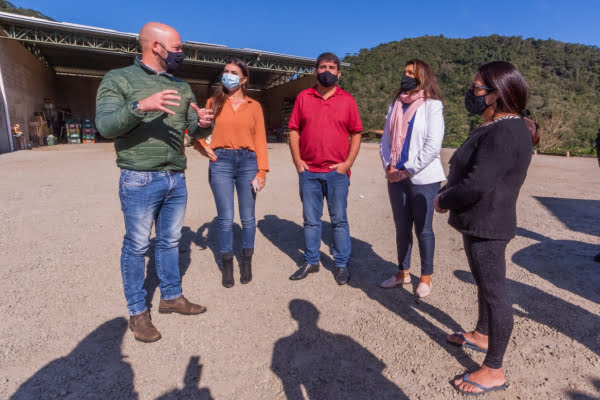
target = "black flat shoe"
x: 342, y: 275
x: 303, y: 271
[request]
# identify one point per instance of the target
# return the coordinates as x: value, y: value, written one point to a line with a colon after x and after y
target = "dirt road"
x: 63, y: 320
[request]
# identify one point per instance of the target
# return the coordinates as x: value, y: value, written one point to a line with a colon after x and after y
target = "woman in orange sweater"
x: 237, y: 151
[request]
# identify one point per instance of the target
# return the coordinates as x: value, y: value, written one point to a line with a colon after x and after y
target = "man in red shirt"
x: 325, y: 138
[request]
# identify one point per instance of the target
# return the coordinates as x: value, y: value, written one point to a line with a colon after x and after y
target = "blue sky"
x: 308, y: 27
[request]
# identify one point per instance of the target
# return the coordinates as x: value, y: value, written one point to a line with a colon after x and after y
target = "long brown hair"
x: 426, y: 78
x: 220, y: 96
x: 512, y: 90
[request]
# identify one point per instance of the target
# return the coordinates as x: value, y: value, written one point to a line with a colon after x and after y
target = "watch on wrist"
x: 135, y: 106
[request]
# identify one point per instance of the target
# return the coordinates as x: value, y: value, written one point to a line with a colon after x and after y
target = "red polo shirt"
x: 325, y: 127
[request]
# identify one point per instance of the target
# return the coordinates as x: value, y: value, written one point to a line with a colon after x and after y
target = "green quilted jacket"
x: 150, y: 142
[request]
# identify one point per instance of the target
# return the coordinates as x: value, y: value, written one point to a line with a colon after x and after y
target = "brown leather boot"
x: 180, y: 305
x: 142, y: 328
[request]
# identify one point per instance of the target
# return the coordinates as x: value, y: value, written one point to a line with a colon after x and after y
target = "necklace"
x: 501, y: 119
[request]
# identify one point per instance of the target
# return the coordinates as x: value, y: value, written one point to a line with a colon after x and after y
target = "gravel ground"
x: 63, y: 320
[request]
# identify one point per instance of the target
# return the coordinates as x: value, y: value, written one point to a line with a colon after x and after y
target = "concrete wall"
x: 26, y: 80
x: 4, y: 128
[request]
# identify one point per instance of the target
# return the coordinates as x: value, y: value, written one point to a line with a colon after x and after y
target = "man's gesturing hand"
x: 159, y: 101
x: 205, y: 116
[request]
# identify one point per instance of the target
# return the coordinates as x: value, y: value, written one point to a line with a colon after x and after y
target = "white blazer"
x: 424, y: 164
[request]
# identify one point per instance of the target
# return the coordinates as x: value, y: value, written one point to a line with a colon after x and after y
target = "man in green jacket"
x: 146, y: 110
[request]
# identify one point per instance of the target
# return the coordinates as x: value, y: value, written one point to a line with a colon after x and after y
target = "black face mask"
x: 475, y: 104
x: 327, y: 79
x: 407, y: 84
x: 173, y: 60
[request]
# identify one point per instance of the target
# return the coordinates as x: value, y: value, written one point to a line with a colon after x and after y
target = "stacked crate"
x: 286, y: 112
x: 88, y: 131
x: 73, y: 131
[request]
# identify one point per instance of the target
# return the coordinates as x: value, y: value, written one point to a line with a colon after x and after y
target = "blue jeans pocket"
x: 135, y: 178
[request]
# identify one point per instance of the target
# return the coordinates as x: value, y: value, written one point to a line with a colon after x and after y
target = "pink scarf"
x: 399, y: 121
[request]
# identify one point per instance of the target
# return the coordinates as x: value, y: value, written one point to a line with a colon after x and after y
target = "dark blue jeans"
x: 413, y: 205
x: 148, y: 198
x: 234, y: 168
x: 333, y: 186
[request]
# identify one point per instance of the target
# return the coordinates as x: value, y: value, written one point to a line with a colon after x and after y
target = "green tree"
x: 7, y: 6
x: 562, y: 77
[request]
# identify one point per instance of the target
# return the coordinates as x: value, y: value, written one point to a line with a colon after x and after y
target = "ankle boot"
x: 227, y: 270
x: 180, y: 305
x: 142, y: 328
x: 246, y: 267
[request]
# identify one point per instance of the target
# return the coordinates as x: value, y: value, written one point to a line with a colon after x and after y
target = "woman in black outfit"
x: 486, y: 174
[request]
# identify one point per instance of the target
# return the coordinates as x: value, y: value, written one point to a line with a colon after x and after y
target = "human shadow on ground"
x: 191, y: 382
x: 577, y: 214
x: 185, y: 243
x: 546, y: 309
x: 94, y: 369
x: 208, y: 239
x: 566, y: 264
x: 582, y: 396
x: 326, y: 365
x: 368, y: 269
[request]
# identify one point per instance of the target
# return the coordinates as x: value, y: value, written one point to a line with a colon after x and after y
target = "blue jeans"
x: 333, y: 186
x: 413, y: 205
x: 147, y: 198
x: 234, y: 168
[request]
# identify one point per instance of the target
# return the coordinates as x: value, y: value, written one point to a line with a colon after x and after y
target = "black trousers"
x: 488, y: 264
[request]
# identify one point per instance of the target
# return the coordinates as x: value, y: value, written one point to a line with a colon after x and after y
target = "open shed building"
x: 49, y: 67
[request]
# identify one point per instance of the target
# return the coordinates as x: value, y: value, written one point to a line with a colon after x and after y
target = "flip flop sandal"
x: 467, y: 343
x: 483, y: 388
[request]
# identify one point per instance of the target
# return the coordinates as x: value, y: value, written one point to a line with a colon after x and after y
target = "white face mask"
x: 230, y: 81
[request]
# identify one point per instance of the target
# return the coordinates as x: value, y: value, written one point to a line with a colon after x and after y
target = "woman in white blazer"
x: 410, y: 152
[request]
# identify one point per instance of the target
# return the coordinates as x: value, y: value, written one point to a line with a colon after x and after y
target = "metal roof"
x: 66, y: 46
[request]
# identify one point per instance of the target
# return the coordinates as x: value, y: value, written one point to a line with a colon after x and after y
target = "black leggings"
x: 488, y: 265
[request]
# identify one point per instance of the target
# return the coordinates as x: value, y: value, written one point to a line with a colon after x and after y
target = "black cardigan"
x: 486, y: 174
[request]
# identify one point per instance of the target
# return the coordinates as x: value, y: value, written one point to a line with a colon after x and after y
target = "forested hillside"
x: 564, y: 81
x: 7, y: 6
